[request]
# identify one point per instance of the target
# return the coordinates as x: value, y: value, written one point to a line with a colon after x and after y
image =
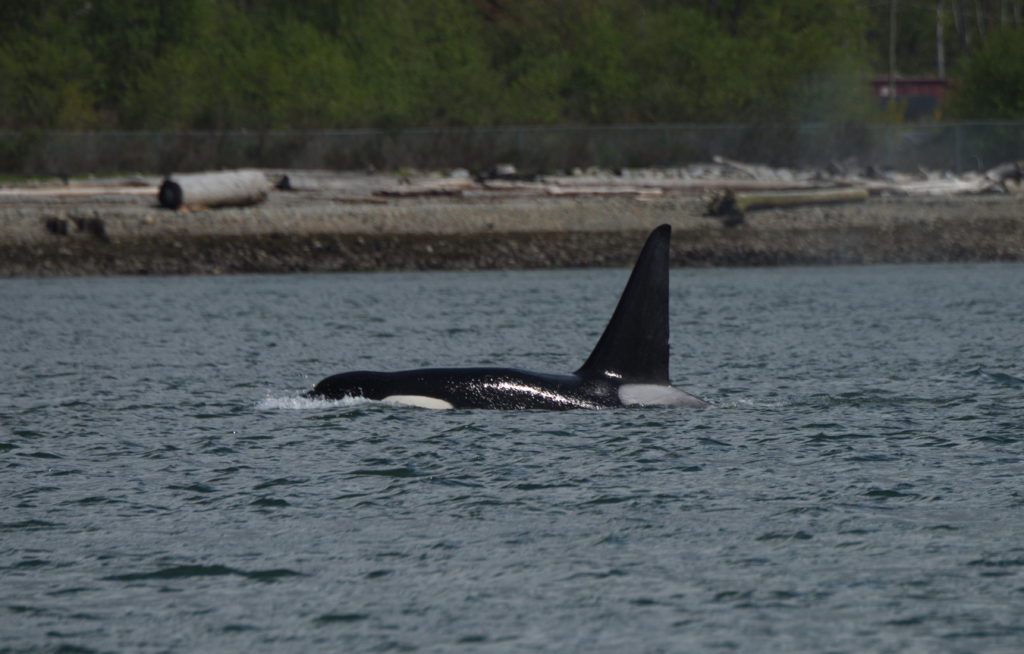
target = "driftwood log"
x: 731, y: 207
x: 1009, y: 176
x: 216, y: 189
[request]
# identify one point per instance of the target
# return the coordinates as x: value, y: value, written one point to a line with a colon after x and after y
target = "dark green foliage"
x: 990, y: 83
x: 277, y: 64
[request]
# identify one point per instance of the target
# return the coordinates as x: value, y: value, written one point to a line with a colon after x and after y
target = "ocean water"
x: 857, y: 487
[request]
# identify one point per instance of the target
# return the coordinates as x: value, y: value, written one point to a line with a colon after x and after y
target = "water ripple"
x: 855, y: 488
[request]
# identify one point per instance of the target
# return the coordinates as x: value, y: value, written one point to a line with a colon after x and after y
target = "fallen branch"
x: 411, y: 188
x: 601, y: 190
x: 420, y: 192
x: 71, y: 191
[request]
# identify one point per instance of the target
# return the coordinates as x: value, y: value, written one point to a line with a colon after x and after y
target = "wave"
x: 291, y: 402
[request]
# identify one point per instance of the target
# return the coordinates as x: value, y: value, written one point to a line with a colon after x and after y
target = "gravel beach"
x: 127, y: 234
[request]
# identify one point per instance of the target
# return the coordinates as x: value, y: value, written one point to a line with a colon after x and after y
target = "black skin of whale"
x: 476, y: 388
x: 631, y: 353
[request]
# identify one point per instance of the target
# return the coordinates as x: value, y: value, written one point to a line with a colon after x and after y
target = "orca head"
x: 369, y: 385
x: 347, y: 384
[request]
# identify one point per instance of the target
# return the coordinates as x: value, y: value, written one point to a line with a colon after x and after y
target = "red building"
x: 936, y: 87
x: 920, y: 97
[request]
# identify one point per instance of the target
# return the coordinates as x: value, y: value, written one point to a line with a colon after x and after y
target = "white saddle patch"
x: 654, y: 394
x: 422, y: 401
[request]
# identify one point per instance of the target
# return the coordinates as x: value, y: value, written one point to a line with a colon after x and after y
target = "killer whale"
x: 628, y: 366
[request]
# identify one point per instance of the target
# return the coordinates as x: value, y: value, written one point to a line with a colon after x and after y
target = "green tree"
x: 48, y: 77
x: 990, y: 82
x: 276, y: 64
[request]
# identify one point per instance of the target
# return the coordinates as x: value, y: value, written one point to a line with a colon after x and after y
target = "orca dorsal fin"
x: 634, y: 345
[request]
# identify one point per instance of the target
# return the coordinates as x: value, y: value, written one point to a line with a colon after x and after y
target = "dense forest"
x: 284, y: 64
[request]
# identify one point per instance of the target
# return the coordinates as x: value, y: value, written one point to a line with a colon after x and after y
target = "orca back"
x: 634, y: 345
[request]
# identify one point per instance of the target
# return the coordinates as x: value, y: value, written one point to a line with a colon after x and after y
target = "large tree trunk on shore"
x: 736, y: 204
x: 217, y: 189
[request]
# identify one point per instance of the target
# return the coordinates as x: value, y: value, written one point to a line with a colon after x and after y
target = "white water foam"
x: 271, y: 403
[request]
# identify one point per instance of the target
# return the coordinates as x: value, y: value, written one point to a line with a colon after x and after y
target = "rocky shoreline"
x: 130, y: 235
